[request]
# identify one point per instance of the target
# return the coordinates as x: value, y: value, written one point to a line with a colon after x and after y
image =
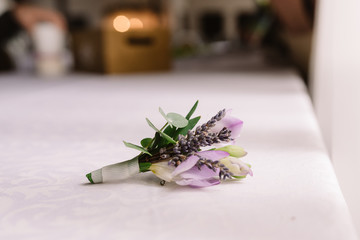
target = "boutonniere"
x: 180, y: 152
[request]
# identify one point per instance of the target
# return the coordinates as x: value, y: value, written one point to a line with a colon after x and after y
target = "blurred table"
x: 53, y: 132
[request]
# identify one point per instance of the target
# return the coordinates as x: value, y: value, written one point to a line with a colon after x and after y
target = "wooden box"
x: 137, y: 51
x: 128, y: 41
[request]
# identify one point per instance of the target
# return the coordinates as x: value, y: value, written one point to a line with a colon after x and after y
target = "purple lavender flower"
x: 229, y: 122
x: 189, y: 172
x: 219, y: 130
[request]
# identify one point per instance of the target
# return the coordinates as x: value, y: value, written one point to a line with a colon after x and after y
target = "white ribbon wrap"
x: 115, y: 172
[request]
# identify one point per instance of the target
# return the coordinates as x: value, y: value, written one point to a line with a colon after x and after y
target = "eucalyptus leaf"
x: 192, y: 110
x: 164, y: 135
x: 141, y: 149
x: 146, y: 142
x: 177, y: 120
x: 174, y: 132
x: 152, y: 125
x: 183, y: 131
x: 165, y: 116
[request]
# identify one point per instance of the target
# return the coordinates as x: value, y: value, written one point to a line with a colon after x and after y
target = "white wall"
x: 335, y: 88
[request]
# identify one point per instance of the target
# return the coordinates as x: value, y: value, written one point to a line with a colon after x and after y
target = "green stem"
x: 156, y: 157
x: 164, y: 127
x: 153, y: 139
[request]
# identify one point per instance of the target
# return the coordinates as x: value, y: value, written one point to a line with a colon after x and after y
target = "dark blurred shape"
x: 212, y: 26
x: 9, y: 27
x: 246, y: 24
x: 293, y: 15
x: 77, y: 23
x: 255, y: 29
x: 87, y: 50
x: 6, y: 64
x: 140, y: 41
x: 295, y: 19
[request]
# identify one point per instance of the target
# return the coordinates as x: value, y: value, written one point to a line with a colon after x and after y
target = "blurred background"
x: 120, y: 36
x: 318, y: 39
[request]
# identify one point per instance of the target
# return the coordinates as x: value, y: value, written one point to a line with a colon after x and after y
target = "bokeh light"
x: 121, y: 23
x: 136, y: 23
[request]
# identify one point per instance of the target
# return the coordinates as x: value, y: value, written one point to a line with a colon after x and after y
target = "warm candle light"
x: 136, y: 23
x: 121, y: 23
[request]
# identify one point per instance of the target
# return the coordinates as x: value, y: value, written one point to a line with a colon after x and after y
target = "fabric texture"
x: 54, y: 131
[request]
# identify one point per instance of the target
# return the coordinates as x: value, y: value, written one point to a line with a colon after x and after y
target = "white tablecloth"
x: 53, y: 132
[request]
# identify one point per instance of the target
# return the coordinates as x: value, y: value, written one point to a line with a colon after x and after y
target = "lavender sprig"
x: 192, y: 142
x: 200, y: 137
x: 224, y: 172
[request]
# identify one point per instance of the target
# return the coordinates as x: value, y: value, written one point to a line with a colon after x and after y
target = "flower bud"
x: 233, y: 150
x: 236, y: 166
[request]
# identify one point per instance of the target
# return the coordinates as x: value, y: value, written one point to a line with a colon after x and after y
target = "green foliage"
x: 174, y: 119
x: 146, y: 142
x: 164, y: 135
x: 176, y: 125
x: 152, y: 125
x: 183, y: 131
x: 156, y: 141
x: 164, y: 115
x: 175, y: 132
x: 144, y: 166
x: 141, y: 149
x: 167, y: 137
x: 192, y: 110
x: 177, y: 120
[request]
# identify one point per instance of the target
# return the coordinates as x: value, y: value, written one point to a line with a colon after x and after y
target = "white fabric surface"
x: 54, y: 132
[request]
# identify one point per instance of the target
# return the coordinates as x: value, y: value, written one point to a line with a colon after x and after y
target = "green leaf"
x: 90, y: 178
x: 144, y: 166
x: 141, y: 149
x: 146, y: 142
x: 192, y: 123
x: 176, y: 120
x: 167, y: 137
x: 174, y: 132
x: 152, y: 125
x: 188, y: 116
x: 156, y: 141
x: 170, y: 131
x: 164, y: 115
x: 164, y: 135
